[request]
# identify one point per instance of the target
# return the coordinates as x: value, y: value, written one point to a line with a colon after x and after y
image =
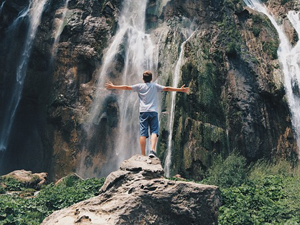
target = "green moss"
x: 233, y: 4
x: 233, y: 49
x: 256, y: 30
x: 271, y: 48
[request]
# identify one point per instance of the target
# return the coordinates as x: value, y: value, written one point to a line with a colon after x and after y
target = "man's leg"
x: 154, y: 126
x: 153, y: 141
x: 143, y: 144
x: 143, y: 131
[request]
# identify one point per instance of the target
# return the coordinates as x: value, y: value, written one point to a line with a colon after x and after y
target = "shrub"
x: 259, y: 202
x: 229, y: 172
x: 233, y: 49
x: 2, y: 190
x: 17, y: 210
x: 263, y: 168
x: 270, y: 195
x: 12, y: 184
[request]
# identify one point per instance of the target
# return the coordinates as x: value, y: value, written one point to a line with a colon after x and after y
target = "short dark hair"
x: 147, y: 76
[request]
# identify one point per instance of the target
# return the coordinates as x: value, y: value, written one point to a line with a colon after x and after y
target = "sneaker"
x: 152, y: 154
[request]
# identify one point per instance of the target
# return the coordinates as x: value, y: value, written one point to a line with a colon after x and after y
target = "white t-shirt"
x: 148, y: 95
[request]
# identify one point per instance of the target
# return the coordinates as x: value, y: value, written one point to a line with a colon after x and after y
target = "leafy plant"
x: 259, y: 202
x: 12, y: 184
x: 2, y: 190
x: 227, y: 172
x: 18, y: 210
x: 269, y: 195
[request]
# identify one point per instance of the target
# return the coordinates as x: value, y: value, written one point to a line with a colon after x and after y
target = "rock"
x: 73, y: 176
x: 33, y: 180
x: 139, y: 194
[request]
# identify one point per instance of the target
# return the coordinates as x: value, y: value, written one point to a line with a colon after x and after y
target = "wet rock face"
x: 138, y: 194
x: 237, y: 98
x: 59, y: 84
x: 236, y: 102
x: 84, y: 37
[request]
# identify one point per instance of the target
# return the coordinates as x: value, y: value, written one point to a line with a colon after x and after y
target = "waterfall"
x: 34, y: 12
x: 59, y: 29
x: 1, y: 7
x: 177, y: 72
x: 136, y: 49
x: 289, y: 58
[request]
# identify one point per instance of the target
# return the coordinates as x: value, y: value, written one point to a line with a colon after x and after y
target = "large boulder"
x: 27, y: 178
x: 139, y: 194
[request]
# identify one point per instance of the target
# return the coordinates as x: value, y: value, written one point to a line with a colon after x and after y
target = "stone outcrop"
x: 139, y: 194
x: 28, y: 179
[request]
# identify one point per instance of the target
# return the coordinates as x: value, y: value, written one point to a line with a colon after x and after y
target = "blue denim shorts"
x: 148, y: 119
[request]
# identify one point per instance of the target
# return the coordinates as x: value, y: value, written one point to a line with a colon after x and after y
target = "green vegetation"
x: 262, y: 193
x: 2, y: 190
x: 11, y: 184
x: 231, y: 36
x: 260, y: 24
x: 227, y: 173
x: 16, y: 209
x: 271, y: 48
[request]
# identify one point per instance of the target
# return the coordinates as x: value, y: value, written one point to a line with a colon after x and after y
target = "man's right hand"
x: 185, y: 89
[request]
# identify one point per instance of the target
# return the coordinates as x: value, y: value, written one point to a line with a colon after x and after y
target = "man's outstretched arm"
x: 182, y: 89
x: 110, y: 85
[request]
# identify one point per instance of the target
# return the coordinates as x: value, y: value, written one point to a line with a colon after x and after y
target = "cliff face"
x: 47, y: 134
x: 237, y: 100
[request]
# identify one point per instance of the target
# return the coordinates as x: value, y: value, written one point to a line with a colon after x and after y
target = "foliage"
x: 12, y: 184
x: 231, y: 37
x: 271, y: 48
x: 261, y: 193
x: 227, y: 172
x: 269, y: 195
x: 56, y: 197
x: 17, y: 210
x: 2, y: 190
x: 233, y: 49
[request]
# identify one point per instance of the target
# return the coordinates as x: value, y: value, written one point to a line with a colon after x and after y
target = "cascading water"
x: 177, y: 72
x: 34, y: 12
x: 289, y: 58
x: 1, y: 7
x: 135, y: 47
x: 59, y: 29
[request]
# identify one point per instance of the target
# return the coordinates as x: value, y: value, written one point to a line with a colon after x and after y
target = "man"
x: 147, y: 92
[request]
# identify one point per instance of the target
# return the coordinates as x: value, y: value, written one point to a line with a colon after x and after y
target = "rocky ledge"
x: 139, y: 194
x: 28, y: 179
